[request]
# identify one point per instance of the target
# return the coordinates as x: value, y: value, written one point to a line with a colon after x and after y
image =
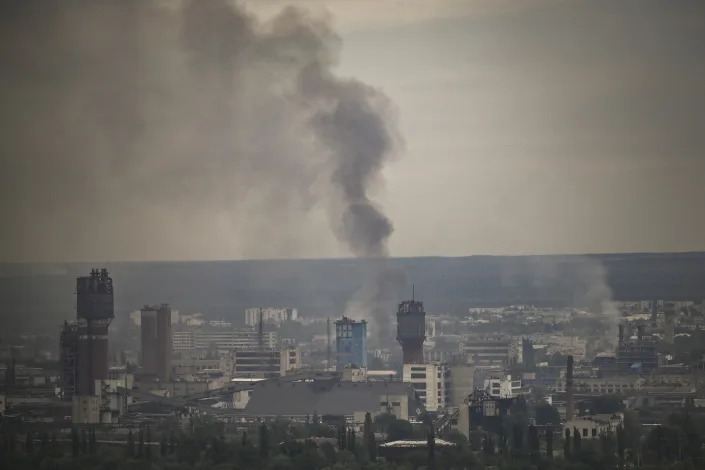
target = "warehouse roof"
x: 323, y: 398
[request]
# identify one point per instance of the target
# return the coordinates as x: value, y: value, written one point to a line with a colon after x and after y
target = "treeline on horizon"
x: 34, y: 295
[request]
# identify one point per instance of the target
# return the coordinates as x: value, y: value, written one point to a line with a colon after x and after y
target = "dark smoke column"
x: 411, y: 330
x: 95, y: 311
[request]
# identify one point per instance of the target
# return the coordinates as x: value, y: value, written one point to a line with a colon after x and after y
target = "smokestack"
x: 640, y: 332
x: 569, y: 390
x: 621, y: 333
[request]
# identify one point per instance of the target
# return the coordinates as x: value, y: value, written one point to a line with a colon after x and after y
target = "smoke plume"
x: 135, y: 128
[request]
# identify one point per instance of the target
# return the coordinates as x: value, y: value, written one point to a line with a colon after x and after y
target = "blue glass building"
x: 350, y: 343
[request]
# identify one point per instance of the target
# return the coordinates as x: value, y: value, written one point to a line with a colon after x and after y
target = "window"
x: 396, y: 403
x: 585, y: 432
x: 418, y: 376
x: 594, y: 432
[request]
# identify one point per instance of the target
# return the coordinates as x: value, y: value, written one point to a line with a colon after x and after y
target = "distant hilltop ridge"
x: 321, y: 287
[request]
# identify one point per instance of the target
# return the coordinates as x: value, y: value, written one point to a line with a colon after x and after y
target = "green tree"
x: 576, y: 441
x: 517, y: 437
x: 342, y: 438
x: 264, y: 441
x: 148, y: 448
x: 621, y: 445
x: 130, y: 445
x: 44, y: 441
x: 243, y: 441
x: 549, y: 443
x: 92, y: 441
x: 488, y: 445
x: 351, y: 441
x: 84, y: 442
x: 75, y: 443
x: 29, y: 443
x: 534, y: 441
x: 607, y: 444
x: 140, y: 445
x: 547, y: 414
x: 431, y: 444
x: 368, y: 439
x: 566, y: 444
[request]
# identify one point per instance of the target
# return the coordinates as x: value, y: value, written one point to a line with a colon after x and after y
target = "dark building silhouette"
x: 84, y: 342
x: 156, y: 341
x: 94, y: 311
x: 411, y: 330
x: 68, y: 345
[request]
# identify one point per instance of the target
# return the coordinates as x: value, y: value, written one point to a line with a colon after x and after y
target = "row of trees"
x: 206, y: 444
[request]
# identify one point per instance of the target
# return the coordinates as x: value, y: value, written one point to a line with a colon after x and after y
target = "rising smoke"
x: 128, y: 121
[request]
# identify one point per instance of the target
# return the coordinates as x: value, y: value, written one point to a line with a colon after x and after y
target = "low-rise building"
x: 592, y: 427
x: 332, y: 398
x: 86, y: 409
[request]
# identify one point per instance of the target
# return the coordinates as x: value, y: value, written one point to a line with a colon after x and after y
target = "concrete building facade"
x: 432, y: 383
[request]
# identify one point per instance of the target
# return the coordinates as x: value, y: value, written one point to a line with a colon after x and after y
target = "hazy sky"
x: 528, y: 127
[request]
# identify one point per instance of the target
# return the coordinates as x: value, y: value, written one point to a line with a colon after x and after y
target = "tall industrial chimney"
x: 569, y: 409
x: 621, y: 333
x: 411, y: 330
x: 640, y: 332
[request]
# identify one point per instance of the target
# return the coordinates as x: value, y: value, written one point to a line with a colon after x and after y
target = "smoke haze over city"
x: 136, y: 132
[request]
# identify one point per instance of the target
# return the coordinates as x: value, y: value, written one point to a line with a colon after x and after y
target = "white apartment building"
x: 271, y: 315
x: 431, y: 382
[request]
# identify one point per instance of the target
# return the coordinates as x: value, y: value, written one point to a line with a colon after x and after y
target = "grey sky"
x: 528, y: 127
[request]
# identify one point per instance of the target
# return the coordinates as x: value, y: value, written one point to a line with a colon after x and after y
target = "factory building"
x: 265, y: 363
x: 411, y: 331
x: 638, y: 355
x: 350, y: 343
x: 432, y: 384
x: 490, y: 352
x: 156, y: 341
x: 84, y: 342
x: 94, y: 311
x: 222, y: 340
